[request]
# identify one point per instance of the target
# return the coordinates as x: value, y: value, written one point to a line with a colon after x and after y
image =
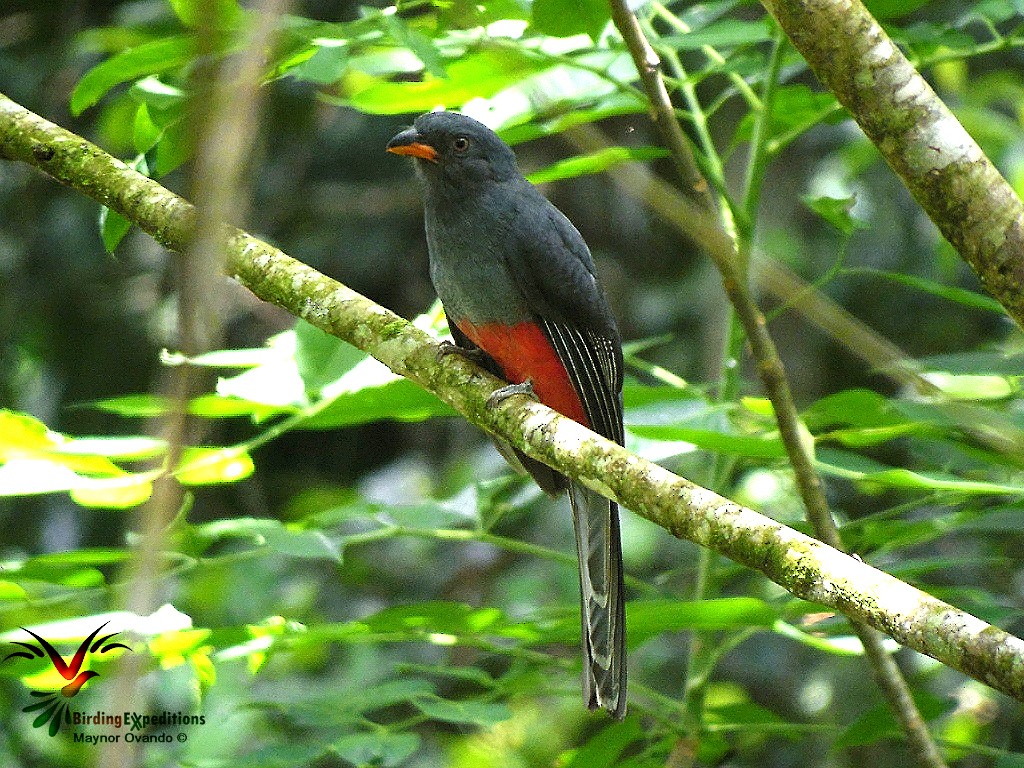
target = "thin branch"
x: 804, y: 566
x: 648, y: 65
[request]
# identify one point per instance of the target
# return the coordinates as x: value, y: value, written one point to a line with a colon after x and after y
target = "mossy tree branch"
x: 947, y: 173
x: 804, y: 566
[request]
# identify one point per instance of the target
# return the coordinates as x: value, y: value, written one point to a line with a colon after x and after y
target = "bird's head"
x: 455, y: 152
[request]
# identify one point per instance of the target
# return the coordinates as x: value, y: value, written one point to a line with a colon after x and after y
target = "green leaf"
x: 163, y: 102
x: 321, y: 358
x: 286, y: 539
x: 381, y: 748
x: 210, y: 466
x: 650, y: 618
x: 862, y: 438
x: 574, y: 108
x: 421, y: 45
x: 113, y: 228
x: 479, y: 74
x: 596, y: 162
x: 950, y: 293
x: 603, y: 749
x: 94, y: 556
x: 21, y: 434
x: 114, y: 492
x: 175, y: 147
x: 971, y: 387
x: 750, y: 446
x: 851, y: 407
x: 851, y: 467
x: 9, y: 590
x: 836, y: 211
x: 326, y: 66
x: 146, y: 59
x: 436, y: 617
x: 206, y: 406
x: 848, y: 645
x: 878, y: 723
x: 369, y: 698
x: 564, y: 18
x: 399, y: 399
x: 135, y: 406
x: 795, y: 108
x: 145, y: 133
x: 222, y: 11
x: 471, y: 712
x: 892, y: 9
x: 727, y: 33
x: 303, y: 543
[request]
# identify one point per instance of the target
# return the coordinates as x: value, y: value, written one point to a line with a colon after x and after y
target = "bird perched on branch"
x: 520, y: 292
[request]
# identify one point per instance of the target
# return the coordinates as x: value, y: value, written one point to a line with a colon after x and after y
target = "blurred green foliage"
x: 357, y: 580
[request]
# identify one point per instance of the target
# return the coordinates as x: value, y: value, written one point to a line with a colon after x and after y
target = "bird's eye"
x: 461, y: 144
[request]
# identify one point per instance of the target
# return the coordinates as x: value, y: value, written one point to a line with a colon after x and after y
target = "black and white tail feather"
x: 596, y: 372
x: 602, y: 603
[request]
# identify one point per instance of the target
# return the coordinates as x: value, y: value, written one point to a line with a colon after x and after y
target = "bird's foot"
x: 502, y: 394
x: 446, y: 348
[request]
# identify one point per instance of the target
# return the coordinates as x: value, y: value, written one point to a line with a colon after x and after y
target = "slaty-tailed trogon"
x: 519, y: 289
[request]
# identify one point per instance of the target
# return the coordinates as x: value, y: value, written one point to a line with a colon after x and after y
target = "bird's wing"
x: 556, y: 275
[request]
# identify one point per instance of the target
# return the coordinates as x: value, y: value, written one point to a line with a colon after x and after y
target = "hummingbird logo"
x: 56, y: 705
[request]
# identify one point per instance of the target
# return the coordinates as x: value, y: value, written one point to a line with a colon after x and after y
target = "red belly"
x: 524, y: 352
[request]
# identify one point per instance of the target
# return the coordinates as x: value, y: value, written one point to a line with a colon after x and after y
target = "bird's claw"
x: 446, y: 348
x: 502, y: 394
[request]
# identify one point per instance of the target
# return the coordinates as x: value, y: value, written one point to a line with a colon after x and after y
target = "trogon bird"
x: 519, y: 289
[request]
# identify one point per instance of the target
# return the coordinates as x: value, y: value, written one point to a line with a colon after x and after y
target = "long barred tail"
x: 602, y: 599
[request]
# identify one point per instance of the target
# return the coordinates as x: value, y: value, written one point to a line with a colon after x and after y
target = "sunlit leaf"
x: 971, y: 387
x: 206, y: 466
x: 191, y: 12
x: 9, y: 590
x: 751, y: 446
x: 118, y: 448
x: 482, y: 73
x: 563, y: 18
x: 114, y: 492
x: 598, y: 162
